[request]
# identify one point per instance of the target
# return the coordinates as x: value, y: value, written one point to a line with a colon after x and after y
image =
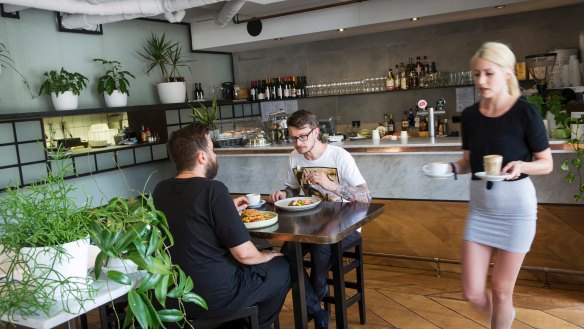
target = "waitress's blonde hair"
x: 501, y: 55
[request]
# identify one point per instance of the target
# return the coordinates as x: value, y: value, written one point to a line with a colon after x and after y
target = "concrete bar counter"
x: 392, y: 169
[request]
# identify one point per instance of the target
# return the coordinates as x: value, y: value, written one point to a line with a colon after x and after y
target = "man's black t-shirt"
x: 205, y: 224
x: 515, y: 135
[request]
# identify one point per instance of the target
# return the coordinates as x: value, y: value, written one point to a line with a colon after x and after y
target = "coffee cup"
x: 439, y: 168
x: 492, y: 164
x: 375, y: 134
x: 403, y: 134
x: 253, y: 198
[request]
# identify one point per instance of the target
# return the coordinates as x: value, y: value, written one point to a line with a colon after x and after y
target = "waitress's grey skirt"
x: 503, y: 217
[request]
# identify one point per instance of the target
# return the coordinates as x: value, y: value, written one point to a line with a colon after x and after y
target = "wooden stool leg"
x: 360, y: 283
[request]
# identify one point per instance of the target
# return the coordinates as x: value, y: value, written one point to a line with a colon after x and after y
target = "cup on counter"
x: 375, y: 134
x: 253, y: 198
x: 403, y: 134
x: 439, y: 168
x: 492, y: 164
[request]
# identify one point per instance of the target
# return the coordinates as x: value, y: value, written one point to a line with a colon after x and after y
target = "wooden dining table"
x: 327, y: 223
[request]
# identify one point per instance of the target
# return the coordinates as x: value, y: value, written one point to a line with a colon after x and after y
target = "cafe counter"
x: 392, y: 169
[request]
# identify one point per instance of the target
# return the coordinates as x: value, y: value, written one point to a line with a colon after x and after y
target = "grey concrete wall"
x: 449, y: 45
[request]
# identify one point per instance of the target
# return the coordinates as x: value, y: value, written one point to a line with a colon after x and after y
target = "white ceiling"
x: 456, y: 11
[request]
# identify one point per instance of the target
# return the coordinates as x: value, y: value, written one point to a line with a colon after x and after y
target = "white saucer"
x: 492, y: 178
x: 435, y: 176
x: 257, y: 206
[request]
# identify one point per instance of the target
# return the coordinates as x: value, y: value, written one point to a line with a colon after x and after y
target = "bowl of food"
x: 298, y: 203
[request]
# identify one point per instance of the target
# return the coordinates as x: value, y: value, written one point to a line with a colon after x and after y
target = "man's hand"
x: 321, y: 179
x: 278, y: 195
x: 240, y: 203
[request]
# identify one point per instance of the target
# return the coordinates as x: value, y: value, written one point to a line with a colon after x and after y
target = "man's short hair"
x: 302, y: 118
x: 183, y: 144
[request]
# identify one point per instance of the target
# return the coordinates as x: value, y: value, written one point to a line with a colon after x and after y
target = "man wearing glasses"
x: 326, y: 171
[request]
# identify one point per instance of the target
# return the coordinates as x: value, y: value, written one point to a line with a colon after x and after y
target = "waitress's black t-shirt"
x: 515, y: 135
x: 205, y: 224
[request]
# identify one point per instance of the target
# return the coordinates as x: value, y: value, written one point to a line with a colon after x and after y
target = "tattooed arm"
x: 354, y: 193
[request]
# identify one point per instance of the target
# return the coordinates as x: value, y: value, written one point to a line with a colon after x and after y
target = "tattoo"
x: 354, y: 193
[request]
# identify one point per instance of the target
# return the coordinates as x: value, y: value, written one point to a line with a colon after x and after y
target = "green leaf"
x: 161, y: 289
x: 98, y: 264
x: 170, y: 315
x: 565, y: 165
x: 139, y: 309
x: 191, y: 297
x: 119, y: 277
x: 149, y: 282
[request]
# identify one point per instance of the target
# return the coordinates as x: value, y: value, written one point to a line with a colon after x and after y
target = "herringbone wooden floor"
x: 418, y: 299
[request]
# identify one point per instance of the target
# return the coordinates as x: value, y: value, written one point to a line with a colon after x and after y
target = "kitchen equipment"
x: 227, y: 90
x: 540, y: 68
x: 100, y: 135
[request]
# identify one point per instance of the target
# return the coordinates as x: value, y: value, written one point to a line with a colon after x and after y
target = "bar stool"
x: 354, y: 254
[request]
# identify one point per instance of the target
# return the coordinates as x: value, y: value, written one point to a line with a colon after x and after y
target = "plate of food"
x: 298, y: 203
x: 253, y: 219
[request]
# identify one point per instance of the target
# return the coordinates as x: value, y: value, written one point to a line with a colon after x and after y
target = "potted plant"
x: 6, y: 61
x: 64, y: 88
x: 45, y: 240
x: 134, y: 230
x: 206, y: 115
x: 551, y: 105
x: 114, y: 83
x: 160, y: 53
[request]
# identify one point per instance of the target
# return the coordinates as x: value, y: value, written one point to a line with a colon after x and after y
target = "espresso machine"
x: 279, y: 126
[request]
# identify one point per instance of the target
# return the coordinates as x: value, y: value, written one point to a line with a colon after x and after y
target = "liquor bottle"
x: 268, y: 90
x: 385, y: 118
x: 390, y: 125
x: 397, y: 78
x: 201, y: 93
x: 403, y: 77
x: 419, y: 66
x: 261, y: 90
x: 293, y: 86
x: 426, y: 66
x: 252, y: 91
x: 274, y: 86
x: 390, y: 81
x: 279, y: 92
x: 196, y: 92
x: 286, y: 87
x: 411, y: 120
x: 405, y: 122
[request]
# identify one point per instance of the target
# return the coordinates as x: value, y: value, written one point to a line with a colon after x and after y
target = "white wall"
x: 36, y: 46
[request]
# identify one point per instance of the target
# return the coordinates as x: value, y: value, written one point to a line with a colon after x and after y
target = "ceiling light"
x: 413, y: 19
x: 500, y: 7
x: 278, y: 39
x: 341, y: 29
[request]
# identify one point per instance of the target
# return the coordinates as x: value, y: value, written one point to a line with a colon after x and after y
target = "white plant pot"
x: 116, y: 99
x: 65, y: 101
x: 121, y: 265
x: 172, y: 92
x: 44, y: 265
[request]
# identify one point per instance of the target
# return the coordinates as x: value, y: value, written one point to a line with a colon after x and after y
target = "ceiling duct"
x: 228, y: 11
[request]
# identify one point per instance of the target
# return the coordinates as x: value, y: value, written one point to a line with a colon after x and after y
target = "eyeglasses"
x: 302, y: 138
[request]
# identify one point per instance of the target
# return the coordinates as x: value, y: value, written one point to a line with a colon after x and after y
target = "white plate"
x: 284, y: 204
x: 263, y: 223
x: 335, y: 138
x: 257, y: 206
x: 492, y: 178
x: 358, y: 137
x: 435, y: 176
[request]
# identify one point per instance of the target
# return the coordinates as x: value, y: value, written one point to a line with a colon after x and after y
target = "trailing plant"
x: 134, y: 230
x: 62, y: 81
x: 114, y: 78
x: 40, y: 215
x: 573, y: 166
x: 205, y: 115
x: 7, y: 62
x: 160, y: 52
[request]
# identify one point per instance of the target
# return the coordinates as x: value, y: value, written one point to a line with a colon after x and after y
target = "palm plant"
x: 161, y: 52
x: 205, y: 115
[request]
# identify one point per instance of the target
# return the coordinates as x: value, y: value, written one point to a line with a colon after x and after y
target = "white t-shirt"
x: 338, y: 165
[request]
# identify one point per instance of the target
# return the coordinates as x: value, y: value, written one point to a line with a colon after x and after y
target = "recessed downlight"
x: 413, y: 19
x: 278, y: 39
x: 500, y: 7
x: 341, y: 29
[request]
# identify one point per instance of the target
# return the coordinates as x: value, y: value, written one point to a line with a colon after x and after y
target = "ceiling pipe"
x: 175, y: 17
x: 131, y: 9
x: 236, y: 19
x: 13, y: 8
x: 228, y: 11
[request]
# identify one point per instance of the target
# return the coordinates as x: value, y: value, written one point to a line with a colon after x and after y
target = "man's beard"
x: 211, y: 169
